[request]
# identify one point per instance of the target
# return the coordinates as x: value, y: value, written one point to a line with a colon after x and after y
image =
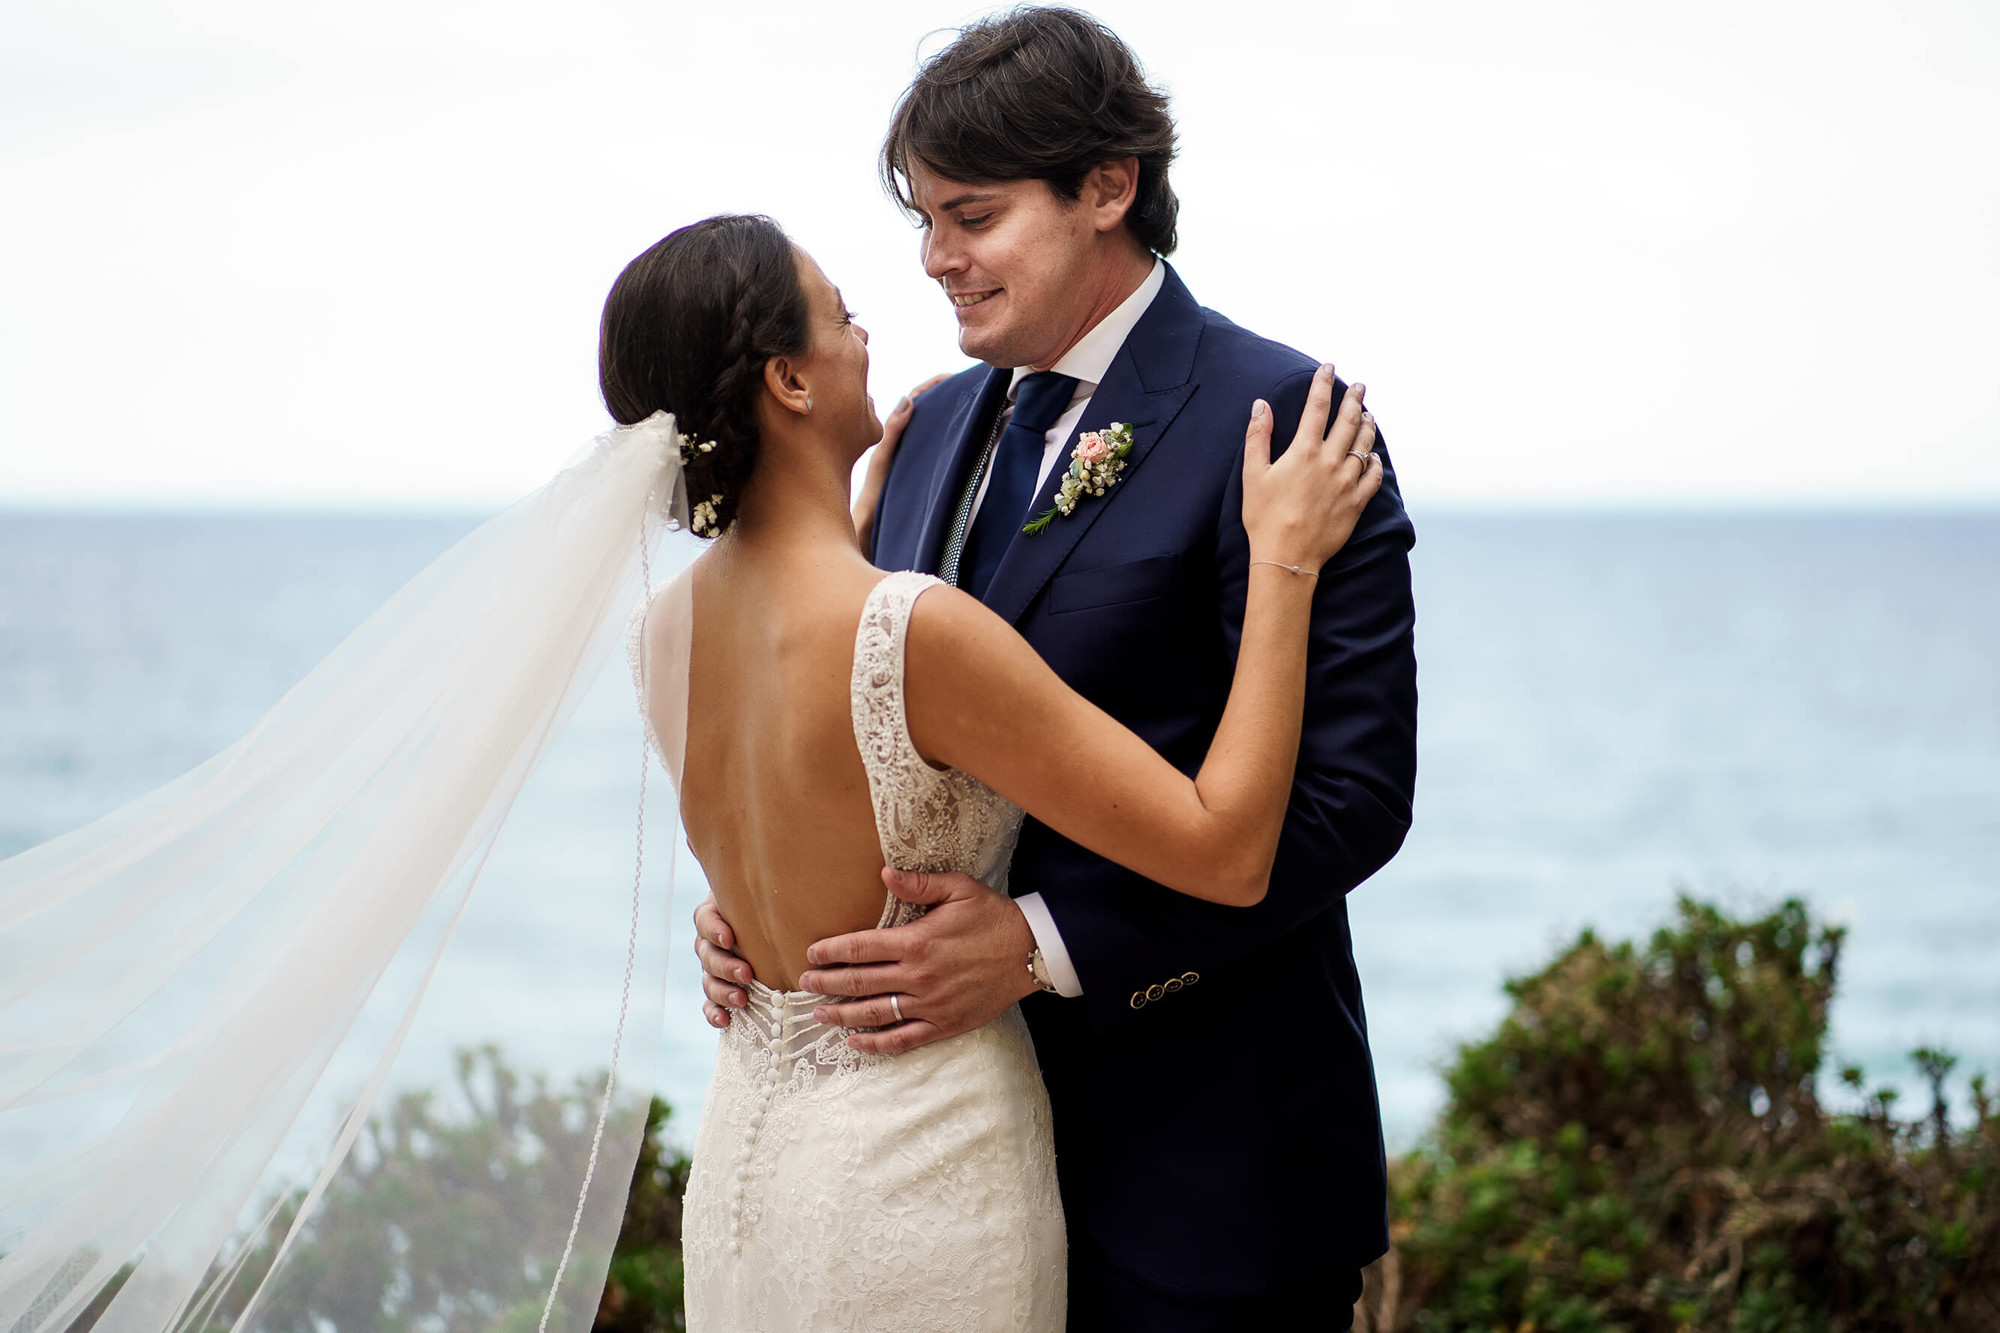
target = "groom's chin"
x: 982, y: 345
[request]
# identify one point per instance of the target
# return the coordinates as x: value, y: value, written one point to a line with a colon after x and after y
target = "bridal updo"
x: 687, y: 329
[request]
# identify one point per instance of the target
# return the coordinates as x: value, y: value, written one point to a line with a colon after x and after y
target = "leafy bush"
x: 428, y: 1225
x: 1642, y: 1146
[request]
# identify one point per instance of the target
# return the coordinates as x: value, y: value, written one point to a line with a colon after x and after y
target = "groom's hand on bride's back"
x: 955, y: 968
x: 723, y: 974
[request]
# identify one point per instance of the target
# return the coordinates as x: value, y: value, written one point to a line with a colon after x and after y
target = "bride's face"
x: 837, y: 365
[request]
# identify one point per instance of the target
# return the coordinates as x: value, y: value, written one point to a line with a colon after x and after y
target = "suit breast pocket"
x: 1114, y: 585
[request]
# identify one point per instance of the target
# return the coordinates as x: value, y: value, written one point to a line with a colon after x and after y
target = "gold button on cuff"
x: 1189, y: 978
x: 1173, y: 984
x: 1138, y: 999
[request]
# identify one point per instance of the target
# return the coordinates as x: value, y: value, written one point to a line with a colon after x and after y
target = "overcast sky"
x: 1581, y: 254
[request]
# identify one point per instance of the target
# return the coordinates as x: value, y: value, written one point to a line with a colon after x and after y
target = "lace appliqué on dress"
x: 928, y: 819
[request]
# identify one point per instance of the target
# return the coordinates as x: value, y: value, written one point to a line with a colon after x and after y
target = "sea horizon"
x: 1617, y: 704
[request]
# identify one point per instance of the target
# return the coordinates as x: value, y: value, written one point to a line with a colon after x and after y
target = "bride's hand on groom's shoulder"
x: 869, y: 496
x: 1299, y: 510
x: 957, y: 967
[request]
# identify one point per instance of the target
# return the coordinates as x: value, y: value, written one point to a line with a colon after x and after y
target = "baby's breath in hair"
x: 689, y: 447
x: 706, y: 514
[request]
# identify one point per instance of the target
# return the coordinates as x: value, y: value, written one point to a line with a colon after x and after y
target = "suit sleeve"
x: 1351, y: 796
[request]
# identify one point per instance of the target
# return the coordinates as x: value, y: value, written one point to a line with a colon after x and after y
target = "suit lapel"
x: 966, y: 439
x: 1148, y: 383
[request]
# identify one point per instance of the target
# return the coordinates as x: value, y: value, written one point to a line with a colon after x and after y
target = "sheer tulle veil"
x: 203, y: 995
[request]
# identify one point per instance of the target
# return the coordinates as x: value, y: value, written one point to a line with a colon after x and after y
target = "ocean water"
x: 1614, y: 708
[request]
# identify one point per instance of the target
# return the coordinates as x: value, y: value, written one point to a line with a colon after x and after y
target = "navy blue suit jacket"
x: 1215, y: 1112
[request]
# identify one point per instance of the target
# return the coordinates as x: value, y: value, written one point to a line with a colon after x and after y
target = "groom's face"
x: 1015, y: 260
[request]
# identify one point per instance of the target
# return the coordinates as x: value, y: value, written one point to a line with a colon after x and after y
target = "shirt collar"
x: 1091, y: 358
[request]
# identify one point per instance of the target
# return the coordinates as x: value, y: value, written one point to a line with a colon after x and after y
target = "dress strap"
x: 881, y: 724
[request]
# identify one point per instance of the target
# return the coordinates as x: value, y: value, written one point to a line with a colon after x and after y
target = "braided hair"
x: 687, y: 329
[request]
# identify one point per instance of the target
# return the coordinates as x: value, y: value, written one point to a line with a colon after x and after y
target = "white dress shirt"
x: 1087, y: 362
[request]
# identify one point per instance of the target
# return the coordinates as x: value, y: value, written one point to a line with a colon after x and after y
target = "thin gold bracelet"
x: 1296, y: 569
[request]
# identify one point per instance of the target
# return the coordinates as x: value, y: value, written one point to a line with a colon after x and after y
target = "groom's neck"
x: 1125, y: 266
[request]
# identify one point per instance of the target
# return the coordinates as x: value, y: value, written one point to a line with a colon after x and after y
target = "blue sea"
x: 1615, y: 709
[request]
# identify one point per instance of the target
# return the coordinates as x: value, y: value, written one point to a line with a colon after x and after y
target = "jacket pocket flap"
x: 1111, y: 585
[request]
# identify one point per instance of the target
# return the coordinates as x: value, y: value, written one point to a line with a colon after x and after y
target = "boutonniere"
x: 1094, y: 466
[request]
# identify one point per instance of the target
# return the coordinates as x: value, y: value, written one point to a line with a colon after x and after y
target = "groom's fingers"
x: 858, y: 983
x: 709, y: 925
x: 721, y: 965
x: 870, y: 1011
x: 924, y: 888
x: 862, y: 946
x: 895, y: 1040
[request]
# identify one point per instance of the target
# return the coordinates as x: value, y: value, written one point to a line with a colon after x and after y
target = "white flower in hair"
x: 707, y: 515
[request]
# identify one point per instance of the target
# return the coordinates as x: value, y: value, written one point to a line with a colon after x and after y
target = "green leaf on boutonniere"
x: 1041, y: 524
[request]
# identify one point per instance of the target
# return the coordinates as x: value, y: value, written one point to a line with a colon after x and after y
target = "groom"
x: 1216, y: 1125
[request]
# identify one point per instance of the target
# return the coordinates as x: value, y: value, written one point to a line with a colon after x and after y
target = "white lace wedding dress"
x: 838, y: 1190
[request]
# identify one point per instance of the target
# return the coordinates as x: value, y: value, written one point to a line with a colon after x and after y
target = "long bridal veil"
x: 204, y: 995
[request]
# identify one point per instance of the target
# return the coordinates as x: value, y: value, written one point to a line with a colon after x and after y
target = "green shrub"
x: 1642, y: 1146
x: 399, y: 1242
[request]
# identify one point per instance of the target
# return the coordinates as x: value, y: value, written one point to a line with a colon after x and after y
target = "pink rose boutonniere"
x: 1094, y: 466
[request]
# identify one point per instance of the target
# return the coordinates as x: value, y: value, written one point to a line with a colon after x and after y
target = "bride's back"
x: 773, y: 794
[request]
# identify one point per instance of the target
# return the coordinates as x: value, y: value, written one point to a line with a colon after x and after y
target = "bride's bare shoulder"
x: 955, y: 634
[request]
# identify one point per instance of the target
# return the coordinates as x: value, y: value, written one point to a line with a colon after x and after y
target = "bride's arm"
x: 981, y: 700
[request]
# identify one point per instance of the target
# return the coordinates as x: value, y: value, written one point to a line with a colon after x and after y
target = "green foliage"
x: 645, y: 1288
x: 431, y: 1226
x: 1641, y: 1146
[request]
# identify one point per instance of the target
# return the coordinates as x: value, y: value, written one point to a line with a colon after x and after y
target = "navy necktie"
x: 1040, y: 400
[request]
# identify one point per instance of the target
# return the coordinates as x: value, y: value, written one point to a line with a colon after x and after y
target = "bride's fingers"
x: 1347, y: 421
x: 1257, y: 441
x: 1361, y: 450
x: 1319, y: 406
x: 1371, y: 480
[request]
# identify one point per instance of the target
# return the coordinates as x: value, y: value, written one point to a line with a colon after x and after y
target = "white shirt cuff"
x: 1049, y: 940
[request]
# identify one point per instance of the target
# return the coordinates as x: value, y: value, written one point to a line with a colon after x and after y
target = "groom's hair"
x: 1037, y: 93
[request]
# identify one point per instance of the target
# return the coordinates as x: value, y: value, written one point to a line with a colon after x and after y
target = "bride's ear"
x: 785, y: 381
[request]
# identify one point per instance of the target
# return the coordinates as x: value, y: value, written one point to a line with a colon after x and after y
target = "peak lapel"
x: 1148, y: 383
x: 966, y: 441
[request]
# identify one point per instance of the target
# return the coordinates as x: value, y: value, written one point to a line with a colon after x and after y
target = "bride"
x: 820, y: 719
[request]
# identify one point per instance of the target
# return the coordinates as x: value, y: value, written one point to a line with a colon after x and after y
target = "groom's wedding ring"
x: 896, y: 1007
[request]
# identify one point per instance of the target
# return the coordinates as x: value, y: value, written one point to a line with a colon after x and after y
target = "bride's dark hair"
x: 687, y: 329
